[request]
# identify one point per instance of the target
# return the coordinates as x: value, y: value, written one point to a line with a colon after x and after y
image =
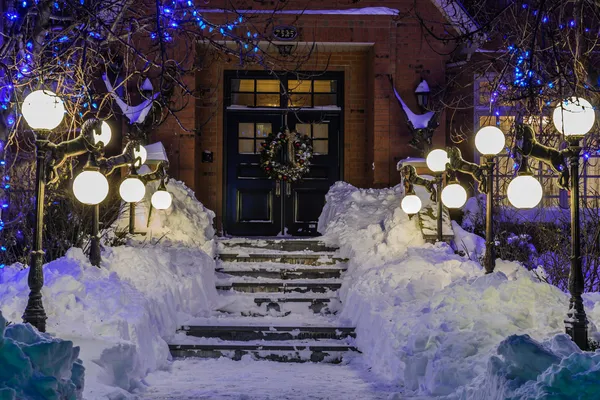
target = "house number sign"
x: 285, y: 32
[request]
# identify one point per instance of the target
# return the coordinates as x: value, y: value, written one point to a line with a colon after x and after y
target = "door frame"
x: 249, y: 74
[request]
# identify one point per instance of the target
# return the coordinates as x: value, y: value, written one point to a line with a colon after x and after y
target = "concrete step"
x: 247, y: 333
x: 278, y: 244
x: 286, y: 273
x: 280, y: 287
x: 272, y: 352
x: 286, y: 258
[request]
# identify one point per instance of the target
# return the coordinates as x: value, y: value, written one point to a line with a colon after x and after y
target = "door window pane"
x: 321, y: 131
x: 246, y: 146
x: 321, y: 146
x: 303, y: 129
x: 268, y: 100
x: 263, y: 129
x: 246, y: 129
x: 268, y: 85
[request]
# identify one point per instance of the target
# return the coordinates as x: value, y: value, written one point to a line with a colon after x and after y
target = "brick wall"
x: 375, y: 133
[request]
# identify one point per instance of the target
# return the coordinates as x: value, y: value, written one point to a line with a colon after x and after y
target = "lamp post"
x: 436, y: 162
x: 130, y: 189
x: 489, y: 141
x: 573, y: 117
x: 43, y: 111
x: 422, y: 93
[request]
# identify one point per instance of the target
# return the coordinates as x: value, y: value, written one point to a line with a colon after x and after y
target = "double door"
x: 258, y: 206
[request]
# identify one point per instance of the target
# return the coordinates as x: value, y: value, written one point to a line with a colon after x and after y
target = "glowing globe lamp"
x: 43, y: 110
x: 411, y: 204
x: 90, y: 187
x: 524, y: 192
x: 437, y: 160
x: 574, y: 117
x: 132, y: 190
x: 454, y: 196
x: 161, y: 199
x: 141, y: 153
x: 490, y: 140
x: 105, y: 134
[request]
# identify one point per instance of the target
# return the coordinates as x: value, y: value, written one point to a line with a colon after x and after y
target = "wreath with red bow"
x: 299, y: 153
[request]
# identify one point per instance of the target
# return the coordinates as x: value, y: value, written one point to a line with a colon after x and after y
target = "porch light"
x: 437, y: 160
x: 90, y: 187
x: 574, y: 117
x: 141, y: 153
x: 454, y: 195
x: 411, y: 204
x: 43, y: 110
x: 105, y: 134
x: 490, y: 140
x: 132, y: 189
x: 422, y: 93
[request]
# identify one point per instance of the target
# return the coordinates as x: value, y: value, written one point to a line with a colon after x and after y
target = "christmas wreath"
x: 299, y: 153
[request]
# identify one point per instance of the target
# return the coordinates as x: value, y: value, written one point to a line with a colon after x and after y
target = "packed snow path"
x: 278, y: 302
x: 247, y: 379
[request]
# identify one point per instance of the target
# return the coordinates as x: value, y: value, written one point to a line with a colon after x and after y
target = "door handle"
x: 288, y: 189
x: 277, y: 188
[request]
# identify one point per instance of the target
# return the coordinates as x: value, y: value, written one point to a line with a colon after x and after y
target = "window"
x: 251, y: 135
x: 504, y: 117
x: 270, y: 92
x: 319, y: 133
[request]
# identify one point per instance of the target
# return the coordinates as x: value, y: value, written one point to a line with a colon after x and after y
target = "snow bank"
x: 427, y: 318
x: 187, y: 222
x: 120, y: 313
x: 36, y: 365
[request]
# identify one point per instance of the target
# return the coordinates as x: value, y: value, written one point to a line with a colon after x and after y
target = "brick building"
x: 343, y: 99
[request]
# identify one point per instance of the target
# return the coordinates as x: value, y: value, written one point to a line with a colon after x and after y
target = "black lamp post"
x: 44, y: 111
x: 573, y: 117
x: 436, y: 162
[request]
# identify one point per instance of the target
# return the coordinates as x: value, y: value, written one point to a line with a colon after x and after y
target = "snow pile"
x: 427, y: 318
x: 120, y: 313
x: 527, y: 369
x: 37, y: 366
x: 187, y: 222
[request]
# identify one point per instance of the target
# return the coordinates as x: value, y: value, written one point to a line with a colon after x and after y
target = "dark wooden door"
x: 253, y: 202
x: 304, y: 201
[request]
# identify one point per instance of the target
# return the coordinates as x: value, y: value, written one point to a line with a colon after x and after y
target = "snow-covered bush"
x: 35, y: 365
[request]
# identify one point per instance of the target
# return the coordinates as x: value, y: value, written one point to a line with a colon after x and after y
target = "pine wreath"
x: 299, y: 149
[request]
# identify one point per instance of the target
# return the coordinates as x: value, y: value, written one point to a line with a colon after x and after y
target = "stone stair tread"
x: 186, y: 340
x: 278, y: 255
x: 227, y: 281
x: 275, y: 266
x: 275, y: 244
x: 265, y: 347
x: 228, y: 320
x: 267, y: 328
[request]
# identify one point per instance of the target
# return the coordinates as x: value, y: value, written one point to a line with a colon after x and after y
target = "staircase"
x: 279, y: 303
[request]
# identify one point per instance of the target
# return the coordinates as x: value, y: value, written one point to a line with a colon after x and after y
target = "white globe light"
x: 132, y: 190
x: 454, y: 196
x: 411, y: 204
x: 524, y: 192
x: 141, y: 153
x: 490, y: 140
x: 90, y: 187
x: 574, y: 117
x: 437, y: 160
x: 43, y: 109
x: 105, y: 134
x: 161, y: 200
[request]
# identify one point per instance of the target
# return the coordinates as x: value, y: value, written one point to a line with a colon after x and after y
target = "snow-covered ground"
x: 265, y: 380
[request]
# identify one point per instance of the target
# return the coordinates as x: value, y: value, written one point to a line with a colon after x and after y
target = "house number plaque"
x: 285, y: 33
